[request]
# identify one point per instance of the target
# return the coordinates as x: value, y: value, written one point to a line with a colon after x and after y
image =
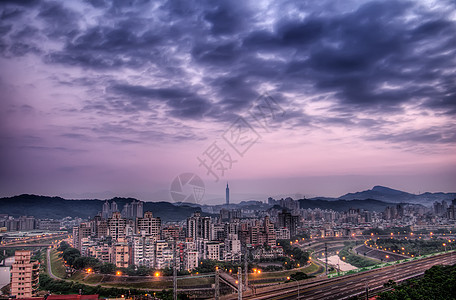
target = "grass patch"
x: 43, y: 261
x: 77, y: 276
x: 57, y: 267
x: 355, y: 259
x: 311, y: 269
x: 141, y: 285
x: 155, y: 283
x: 91, y: 279
x: 283, y: 274
x: 196, y: 281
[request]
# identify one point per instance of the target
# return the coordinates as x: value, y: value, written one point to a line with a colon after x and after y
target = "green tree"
x: 108, y: 268
x: 63, y: 246
x: 70, y: 255
x: 83, y: 262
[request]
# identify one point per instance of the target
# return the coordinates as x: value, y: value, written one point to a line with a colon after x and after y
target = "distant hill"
x: 344, y: 205
x: 44, y: 207
x: 395, y: 196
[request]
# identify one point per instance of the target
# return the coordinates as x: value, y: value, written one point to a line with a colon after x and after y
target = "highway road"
x: 350, y: 285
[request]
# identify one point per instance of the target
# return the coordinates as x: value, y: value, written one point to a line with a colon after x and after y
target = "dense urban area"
x: 220, y: 250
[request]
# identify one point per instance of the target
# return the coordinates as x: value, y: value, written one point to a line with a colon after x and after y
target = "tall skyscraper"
x: 227, y: 197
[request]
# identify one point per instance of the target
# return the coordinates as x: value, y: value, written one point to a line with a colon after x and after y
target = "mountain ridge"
x: 47, y: 207
x: 387, y: 194
x: 377, y: 198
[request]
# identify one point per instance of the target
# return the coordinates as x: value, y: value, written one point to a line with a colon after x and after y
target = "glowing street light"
x: 289, y: 278
x: 118, y: 273
x: 157, y: 274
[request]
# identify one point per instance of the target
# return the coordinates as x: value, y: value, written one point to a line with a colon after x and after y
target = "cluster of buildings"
x: 27, y: 223
x: 444, y: 210
x: 145, y: 241
x: 134, y: 237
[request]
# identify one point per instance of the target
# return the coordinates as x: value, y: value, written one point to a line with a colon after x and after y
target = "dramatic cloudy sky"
x: 102, y: 98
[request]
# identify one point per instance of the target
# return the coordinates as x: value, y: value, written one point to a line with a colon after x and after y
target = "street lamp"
x: 289, y: 278
x: 338, y: 263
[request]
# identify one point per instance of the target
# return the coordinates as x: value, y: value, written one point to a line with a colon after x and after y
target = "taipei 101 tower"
x: 227, y: 197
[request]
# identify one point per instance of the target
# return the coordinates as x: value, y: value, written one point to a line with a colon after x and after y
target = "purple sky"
x: 102, y: 98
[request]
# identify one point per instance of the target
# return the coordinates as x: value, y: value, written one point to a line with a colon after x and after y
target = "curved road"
x: 48, y: 266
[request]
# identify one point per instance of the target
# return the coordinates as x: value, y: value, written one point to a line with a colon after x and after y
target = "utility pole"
x: 217, y: 284
x: 174, y: 271
x: 367, y: 291
x: 326, y: 257
x: 246, y: 269
x: 240, y: 283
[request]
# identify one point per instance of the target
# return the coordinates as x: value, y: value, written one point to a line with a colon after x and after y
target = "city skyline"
x: 103, y: 99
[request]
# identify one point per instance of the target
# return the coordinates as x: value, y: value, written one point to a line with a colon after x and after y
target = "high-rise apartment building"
x: 190, y: 260
x: 117, y: 226
x: 212, y: 250
x: 122, y: 255
x: 199, y: 227
x: 149, y: 225
x: 108, y: 209
x: 84, y: 230
x: 133, y: 210
x: 144, y: 251
x: 287, y: 220
x: 24, y: 275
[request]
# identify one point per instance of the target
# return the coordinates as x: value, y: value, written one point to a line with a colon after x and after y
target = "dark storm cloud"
x: 61, y: 22
x: 181, y: 103
x: 227, y: 18
x: 10, y: 13
x: 359, y: 52
x: 216, y: 54
x: 127, y: 132
x: 21, y: 3
x: 432, y: 135
x: 112, y: 47
x: 4, y: 29
x: 376, y: 57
